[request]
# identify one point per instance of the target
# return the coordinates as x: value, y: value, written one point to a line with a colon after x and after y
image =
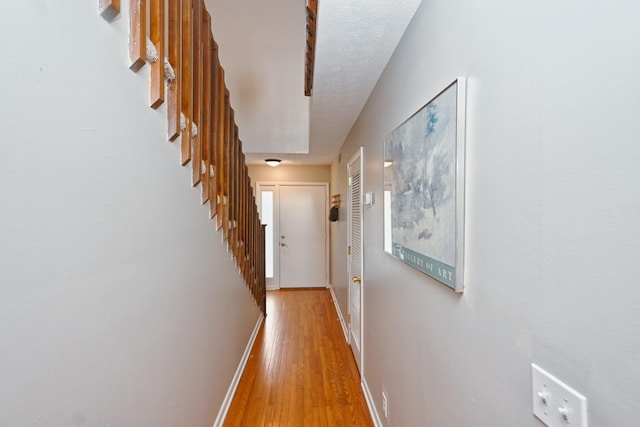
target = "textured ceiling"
x: 262, y: 47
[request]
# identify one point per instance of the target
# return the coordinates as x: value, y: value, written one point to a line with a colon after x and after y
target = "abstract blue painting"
x: 424, y: 188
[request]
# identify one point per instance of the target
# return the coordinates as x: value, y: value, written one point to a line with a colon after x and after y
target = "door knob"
x: 357, y: 279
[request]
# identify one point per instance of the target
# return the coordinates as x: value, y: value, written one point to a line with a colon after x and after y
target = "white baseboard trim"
x: 340, y: 317
x: 226, y: 403
x: 377, y: 422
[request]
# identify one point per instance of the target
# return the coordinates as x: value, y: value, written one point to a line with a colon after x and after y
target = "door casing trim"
x: 358, y: 154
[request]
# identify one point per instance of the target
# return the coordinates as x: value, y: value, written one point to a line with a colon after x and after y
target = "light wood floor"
x: 301, y: 371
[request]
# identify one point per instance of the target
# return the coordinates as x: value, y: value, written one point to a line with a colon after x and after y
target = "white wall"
x: 338, y: 231
x: 119, y: 304
x: 552, y: 216
x: 287, y: 173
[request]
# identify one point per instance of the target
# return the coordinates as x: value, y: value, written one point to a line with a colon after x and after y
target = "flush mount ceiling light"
x: 272, y: 162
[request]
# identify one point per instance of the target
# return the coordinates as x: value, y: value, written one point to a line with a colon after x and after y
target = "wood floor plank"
x: 301, y: 371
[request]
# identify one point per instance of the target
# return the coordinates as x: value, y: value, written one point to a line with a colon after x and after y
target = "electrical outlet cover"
x: 385, y: 405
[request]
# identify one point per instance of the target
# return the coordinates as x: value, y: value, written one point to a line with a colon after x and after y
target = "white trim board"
x: 340, y: 317
x: 377, y: 422
x: 226, y: 403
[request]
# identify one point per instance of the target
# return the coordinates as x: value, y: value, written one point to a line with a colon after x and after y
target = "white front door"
x: 354, y: 172
x: 303, y: 236
x: 296, y: 234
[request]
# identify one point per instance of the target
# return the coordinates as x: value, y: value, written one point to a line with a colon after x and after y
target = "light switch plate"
x: 369, y: 198
x: 555, y: 403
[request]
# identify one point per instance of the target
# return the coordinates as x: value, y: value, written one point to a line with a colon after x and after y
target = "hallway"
x: 301, y: 371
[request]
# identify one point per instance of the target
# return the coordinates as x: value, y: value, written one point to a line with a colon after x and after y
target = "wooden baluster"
x: 109, y: 9
x: 222, y: 111
x: 255, y: 259
x: 254, y: 242
x: 240, y: 213
x: 262, y: 293
x: 235, y: 181
x: 263, y: 277
x: 249, y: 208
x: 187, y: 79
x: 215, y: 93
x: 137, y: 34
x: 156, y: 30
x: 244, y: 217
x: 196, y: 87
x: 241, y: 178
x: 260, y: 264
x: 206, y: 106
x: 174, y: 96
x: 241, y: 222
x: 250, y: 244
x: 225, y: 166
x: 237, y: 197
x: 259, y: 260
x: 232, y: 183
x: 236, y: 174
x: 228, y: 159
x: 247, y: 226
x: 247, y: 223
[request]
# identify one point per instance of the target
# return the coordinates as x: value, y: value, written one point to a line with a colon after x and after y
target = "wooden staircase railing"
x: 199, y: 112
x: 310, y: 57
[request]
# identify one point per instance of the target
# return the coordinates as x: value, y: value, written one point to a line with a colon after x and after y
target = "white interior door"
x: 354, y: 171
x: 303, y: 236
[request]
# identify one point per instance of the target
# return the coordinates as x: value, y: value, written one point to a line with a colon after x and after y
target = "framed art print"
x: 424, y: 175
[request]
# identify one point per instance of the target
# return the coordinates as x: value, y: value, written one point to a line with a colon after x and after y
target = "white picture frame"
x: 424, y: 187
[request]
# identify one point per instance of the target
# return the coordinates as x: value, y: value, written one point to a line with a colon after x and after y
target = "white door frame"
x: 358, y: 156
x: 275, y: 185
